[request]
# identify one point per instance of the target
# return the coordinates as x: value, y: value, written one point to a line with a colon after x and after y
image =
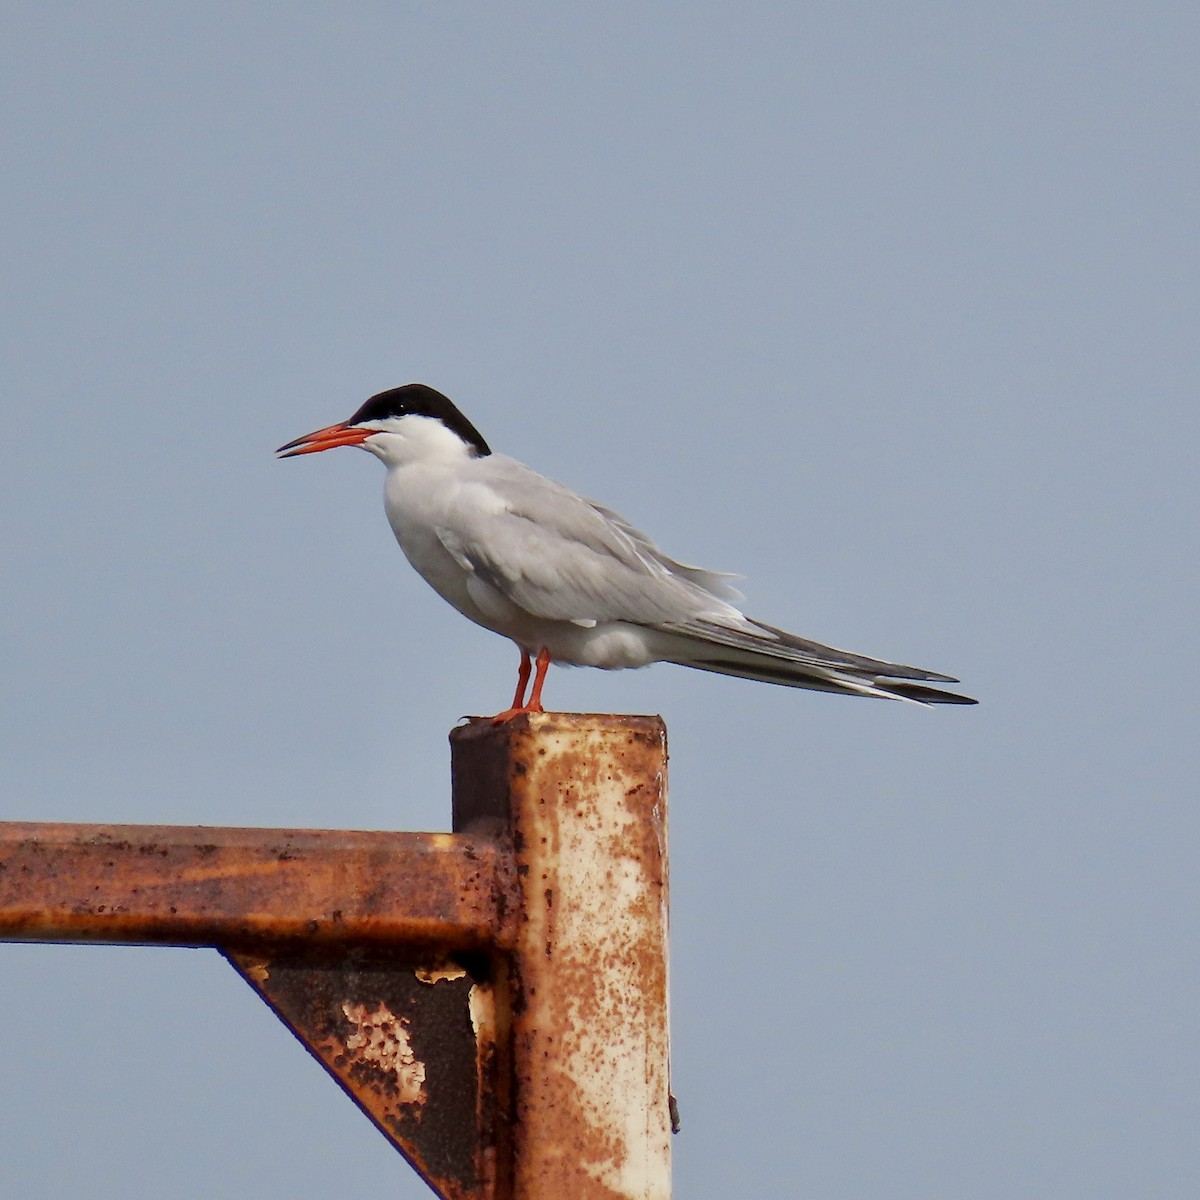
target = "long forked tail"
x: 771, y: 655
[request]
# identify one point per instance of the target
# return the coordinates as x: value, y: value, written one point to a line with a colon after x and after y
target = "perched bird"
x: 565, y: 578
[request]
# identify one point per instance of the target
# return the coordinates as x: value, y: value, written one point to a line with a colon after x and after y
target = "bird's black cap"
x: 420, y: 400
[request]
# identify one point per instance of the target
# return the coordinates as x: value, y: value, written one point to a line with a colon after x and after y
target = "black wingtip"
x: 924, y: 695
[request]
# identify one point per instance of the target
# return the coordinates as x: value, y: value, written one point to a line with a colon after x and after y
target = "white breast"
x: 414, y: 498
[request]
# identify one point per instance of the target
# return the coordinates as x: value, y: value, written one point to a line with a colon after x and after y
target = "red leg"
x: 534, y: 703
x: 522, y: 679
x: 535, y: 696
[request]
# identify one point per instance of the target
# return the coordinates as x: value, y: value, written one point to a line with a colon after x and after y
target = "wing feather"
x: 560, y: 557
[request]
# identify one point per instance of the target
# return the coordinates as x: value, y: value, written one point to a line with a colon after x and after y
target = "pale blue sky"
x: 890, y: 307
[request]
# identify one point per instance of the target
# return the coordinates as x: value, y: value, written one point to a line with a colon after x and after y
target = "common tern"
x: 568, y: 580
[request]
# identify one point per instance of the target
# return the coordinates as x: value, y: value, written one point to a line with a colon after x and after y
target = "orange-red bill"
x: 325, y: 439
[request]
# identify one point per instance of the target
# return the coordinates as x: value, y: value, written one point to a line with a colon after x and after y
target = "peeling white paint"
x: 437, y: 974
x: 481, y: 1007
x: 382, y: 1039
x: 255, y: 969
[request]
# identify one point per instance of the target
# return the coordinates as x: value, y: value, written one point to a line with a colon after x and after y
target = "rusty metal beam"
x: 494, y: 999
x: 584, y: 800
x: 199, y: 886
x: 357, y: 940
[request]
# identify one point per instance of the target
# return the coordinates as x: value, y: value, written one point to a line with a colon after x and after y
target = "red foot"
x: 534, y: 703
x: 509, y: 713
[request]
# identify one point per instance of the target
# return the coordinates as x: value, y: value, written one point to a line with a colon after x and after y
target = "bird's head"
x: 402, y: 425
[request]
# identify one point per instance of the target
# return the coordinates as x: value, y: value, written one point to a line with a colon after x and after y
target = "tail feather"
x: 772, y: 655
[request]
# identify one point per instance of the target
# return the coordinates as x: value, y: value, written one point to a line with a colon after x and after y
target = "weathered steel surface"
x: 586, y: 798
x: 414, y: 1046
x: 376, y: 949
x: 198, y: 886
x: 494, y: 999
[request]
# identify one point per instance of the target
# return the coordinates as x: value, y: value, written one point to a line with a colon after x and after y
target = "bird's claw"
x: 511, y: 714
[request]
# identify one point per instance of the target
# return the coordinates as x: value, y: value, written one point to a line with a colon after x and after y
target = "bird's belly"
x: 612, y: 646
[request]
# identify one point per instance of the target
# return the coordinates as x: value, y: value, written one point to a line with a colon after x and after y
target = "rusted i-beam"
x: 200, y: 886
x: 584, y: 799
x: 494, y: 999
